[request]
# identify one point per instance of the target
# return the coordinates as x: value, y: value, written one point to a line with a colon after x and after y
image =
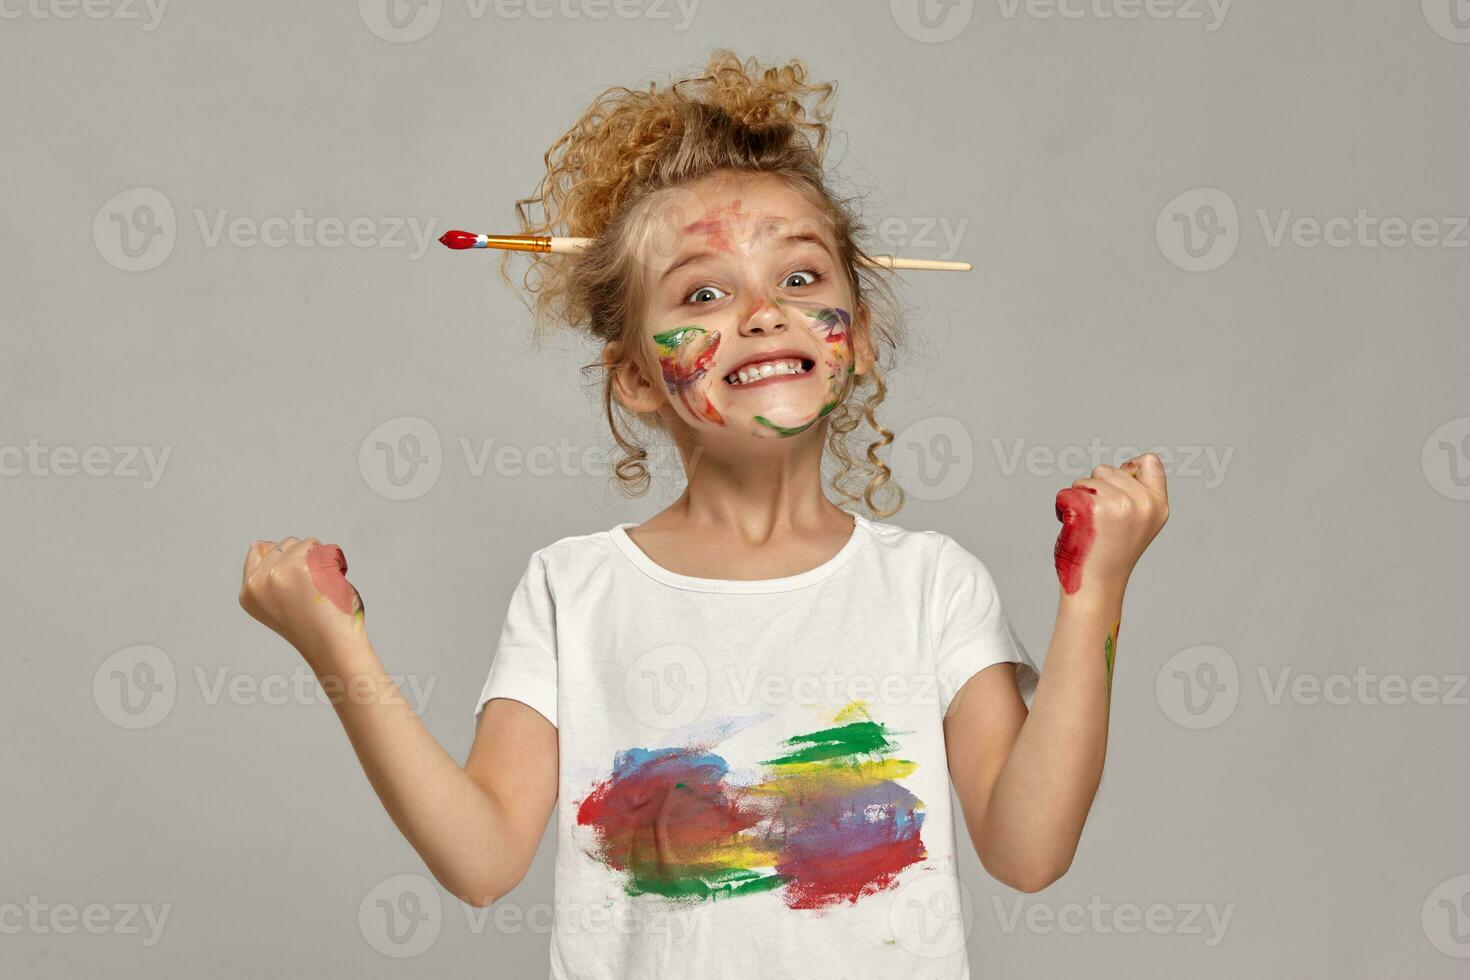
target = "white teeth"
x: 765, y: 369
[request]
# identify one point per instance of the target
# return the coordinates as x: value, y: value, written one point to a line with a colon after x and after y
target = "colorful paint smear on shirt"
x: 671, y: 822
x: 826, y: 821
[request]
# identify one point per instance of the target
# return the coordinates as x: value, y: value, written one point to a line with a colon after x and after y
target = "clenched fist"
x: 1108, y: 520
x: 299, y: 588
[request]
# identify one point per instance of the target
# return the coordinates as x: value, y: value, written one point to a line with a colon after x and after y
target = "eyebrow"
x: 799, y: 237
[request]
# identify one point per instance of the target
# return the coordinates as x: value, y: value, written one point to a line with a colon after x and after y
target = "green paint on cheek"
x: 784, y: 430
x: 669, y: 341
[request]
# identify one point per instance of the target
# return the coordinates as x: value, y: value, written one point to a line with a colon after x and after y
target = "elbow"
x: 1027, y: 866
x: 480, y: 892
x: 1028, y: 877
x: 1032, y: 882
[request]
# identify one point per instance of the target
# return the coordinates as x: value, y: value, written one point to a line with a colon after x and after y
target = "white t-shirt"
x: 753, y: 780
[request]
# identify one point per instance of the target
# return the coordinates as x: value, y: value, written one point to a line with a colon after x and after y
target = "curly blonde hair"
x: 626, y: 153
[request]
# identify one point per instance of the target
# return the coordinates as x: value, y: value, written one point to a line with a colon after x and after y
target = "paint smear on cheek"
x: 328, y: 567
x: 1074, y: 510
x: 685, y: 356
x: 832, y: 326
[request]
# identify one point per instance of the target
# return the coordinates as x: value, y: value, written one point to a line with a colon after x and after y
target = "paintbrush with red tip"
x: 561, y: 246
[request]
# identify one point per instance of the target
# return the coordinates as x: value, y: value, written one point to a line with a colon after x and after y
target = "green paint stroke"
x: 829, y: 743
x: 669, y: 341
x: 783, y: 430
x: 1110, y: 647
x: 830, y: 317
x: 798, y: 429
x: 693, y: 881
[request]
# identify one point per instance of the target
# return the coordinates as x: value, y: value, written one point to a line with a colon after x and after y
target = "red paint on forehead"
x: 717, y: 225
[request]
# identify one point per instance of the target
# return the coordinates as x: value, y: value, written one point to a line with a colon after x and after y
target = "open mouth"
x: 768, y: 371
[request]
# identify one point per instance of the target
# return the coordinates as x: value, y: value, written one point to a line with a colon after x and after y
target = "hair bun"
x: 628, y: 138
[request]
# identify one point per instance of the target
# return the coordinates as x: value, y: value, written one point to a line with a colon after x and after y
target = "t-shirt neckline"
x: 694, y: 583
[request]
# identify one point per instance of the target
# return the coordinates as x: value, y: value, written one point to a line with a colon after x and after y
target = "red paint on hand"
x: 328, y: 567
x: 1074, y: 510
x: 459, y: 239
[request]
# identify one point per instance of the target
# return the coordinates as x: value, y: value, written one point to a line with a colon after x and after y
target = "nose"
x: 764, y: 320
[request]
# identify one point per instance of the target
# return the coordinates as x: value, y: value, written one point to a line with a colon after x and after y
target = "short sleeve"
x: 524, y: 668
x: 969, y: 626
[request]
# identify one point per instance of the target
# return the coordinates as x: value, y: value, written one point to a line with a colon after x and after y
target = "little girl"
x: 746, y: 711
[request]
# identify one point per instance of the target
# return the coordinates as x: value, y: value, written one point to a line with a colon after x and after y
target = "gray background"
x: 1332, y: 542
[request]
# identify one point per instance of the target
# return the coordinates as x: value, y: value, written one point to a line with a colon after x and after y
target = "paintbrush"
x: 561, y: 246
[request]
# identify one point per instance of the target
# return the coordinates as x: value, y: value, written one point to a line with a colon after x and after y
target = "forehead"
x: 721, y: 210
x: 723, y: 197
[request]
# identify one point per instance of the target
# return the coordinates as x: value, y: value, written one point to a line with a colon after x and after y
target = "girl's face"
x: 748, y: 313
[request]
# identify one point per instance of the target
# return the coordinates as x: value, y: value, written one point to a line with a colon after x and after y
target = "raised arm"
x: 476, y: 826
x: 1026, y: 781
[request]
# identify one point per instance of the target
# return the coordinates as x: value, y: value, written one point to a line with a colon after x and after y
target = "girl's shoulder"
x: 938, y: 559
x: 926, y: 543
x: 574, y: 551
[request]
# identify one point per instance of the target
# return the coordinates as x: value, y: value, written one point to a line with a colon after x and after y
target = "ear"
x: 862, y: 348
x: 632, y: 387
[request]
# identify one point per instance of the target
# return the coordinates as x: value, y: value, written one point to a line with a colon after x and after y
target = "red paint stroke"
x: 328, y: 567
x: 1074, y: 510
x: 717, y: 226
x: 823, y: 879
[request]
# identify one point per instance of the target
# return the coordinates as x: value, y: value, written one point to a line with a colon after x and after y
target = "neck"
x: 764, y: 485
